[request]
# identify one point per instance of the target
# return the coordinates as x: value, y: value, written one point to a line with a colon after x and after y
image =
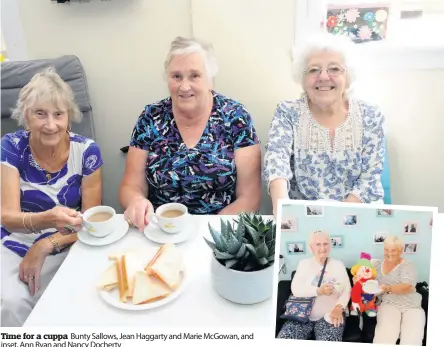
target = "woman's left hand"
x: 32, y: 264
x: 336, y: 317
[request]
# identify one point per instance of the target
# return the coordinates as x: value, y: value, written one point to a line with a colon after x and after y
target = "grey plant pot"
x: 242, y: 287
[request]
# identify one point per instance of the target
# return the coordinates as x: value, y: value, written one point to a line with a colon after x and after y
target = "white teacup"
x: 170, y: 218
x: 99, y: 221
x: 339, y: 287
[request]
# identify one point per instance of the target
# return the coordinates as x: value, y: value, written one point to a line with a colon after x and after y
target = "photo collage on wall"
x: 298, y: 247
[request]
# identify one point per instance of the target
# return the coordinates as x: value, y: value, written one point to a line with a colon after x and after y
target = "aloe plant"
x: 247, y: 245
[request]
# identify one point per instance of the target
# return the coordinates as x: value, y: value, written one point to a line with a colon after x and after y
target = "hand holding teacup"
x: 65, y: 220
x: 137, y: 213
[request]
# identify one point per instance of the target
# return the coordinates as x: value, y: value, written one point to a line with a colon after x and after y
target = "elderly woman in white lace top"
x: 325, y: 145
x: 400, y: 314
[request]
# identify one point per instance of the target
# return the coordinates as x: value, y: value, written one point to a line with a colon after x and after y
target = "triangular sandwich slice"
x: 108, y: 279
x: 167, y: 265
x: 148, y: 289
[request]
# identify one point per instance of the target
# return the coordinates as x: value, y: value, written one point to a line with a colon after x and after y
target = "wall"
x: 122, y: 45
x: 357, y: 238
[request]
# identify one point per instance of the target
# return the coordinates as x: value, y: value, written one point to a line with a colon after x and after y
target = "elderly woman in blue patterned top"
x: 195, y: 147
x: 325, y: 145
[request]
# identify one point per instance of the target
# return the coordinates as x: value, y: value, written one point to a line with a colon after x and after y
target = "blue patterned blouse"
x: 37, y: 192
x: 318, y: 167
x: 203, y: 177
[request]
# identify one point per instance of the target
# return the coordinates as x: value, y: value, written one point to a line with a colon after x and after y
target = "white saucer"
x: 157, y: 235
x: 122, y: 228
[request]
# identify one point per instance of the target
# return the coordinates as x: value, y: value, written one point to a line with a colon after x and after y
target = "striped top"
x: 404, y: 272
x: 37, y: 193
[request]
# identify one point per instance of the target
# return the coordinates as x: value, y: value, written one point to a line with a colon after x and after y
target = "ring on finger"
x: 69, y: 228
x: 130, y: 222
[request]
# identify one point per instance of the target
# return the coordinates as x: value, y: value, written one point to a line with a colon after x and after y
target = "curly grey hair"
x: 302, y: 52
x: 184, y: 46
x: 46, y: 85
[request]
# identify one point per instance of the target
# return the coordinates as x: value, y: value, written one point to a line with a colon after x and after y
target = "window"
x: 13, y: 45
x: 412, y: 28
x: 3, y: 51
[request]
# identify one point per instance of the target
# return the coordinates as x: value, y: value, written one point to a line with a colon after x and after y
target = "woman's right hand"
x: 137, y: 213
x: 66, y: 220
x: 326, y: 289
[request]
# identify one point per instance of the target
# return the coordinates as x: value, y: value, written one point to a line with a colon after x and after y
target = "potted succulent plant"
x: 242, y: 266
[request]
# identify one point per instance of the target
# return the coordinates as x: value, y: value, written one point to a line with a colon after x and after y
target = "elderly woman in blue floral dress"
x: 196, y: 147
x: 326, y: 145
x: 49, y: 175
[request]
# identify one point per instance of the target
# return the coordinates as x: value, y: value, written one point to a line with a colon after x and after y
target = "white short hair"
x: 46, y: 85
x: 394, y: 241
x: 184, y: 46
x: 302, y: 52
x: 317, y: 234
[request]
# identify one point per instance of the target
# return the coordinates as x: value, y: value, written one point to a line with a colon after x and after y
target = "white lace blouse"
x: 315, y: 166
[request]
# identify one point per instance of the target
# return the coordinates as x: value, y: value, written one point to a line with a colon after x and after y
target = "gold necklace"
x: 47, y: 173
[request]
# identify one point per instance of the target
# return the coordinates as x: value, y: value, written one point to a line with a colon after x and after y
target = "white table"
x: 72, y: 297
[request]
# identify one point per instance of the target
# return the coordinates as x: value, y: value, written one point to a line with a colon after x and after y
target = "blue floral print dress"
x: 317, y: 166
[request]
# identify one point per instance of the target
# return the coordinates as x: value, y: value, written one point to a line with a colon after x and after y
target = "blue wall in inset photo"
x: 353, y: 230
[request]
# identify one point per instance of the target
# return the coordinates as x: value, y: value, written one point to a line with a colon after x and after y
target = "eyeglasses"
x: 331, y: 71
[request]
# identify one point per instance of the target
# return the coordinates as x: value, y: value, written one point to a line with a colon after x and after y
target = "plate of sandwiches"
x: 142, y: 279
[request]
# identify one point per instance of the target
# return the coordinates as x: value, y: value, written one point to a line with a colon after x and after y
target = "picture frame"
x: 350, y: 220
x: 296, y: 247
x: 314, y: 211
x: 410, y: 228
x: 384, y: 212
x: 379, y: 237
x: 289, y: 224
x: 337, y: 241
x: 411, y: 247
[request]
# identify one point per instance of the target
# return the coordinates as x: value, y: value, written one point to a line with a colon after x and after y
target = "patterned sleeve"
x: 408, y: 274
x: 242, y: 129
x: 92, y: 159
x: 279, y: 147
x: 10, y: 153
x: 141, y: 135
x: 368, y: 188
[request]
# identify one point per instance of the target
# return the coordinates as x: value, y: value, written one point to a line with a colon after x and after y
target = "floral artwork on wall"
x: 361, y: 24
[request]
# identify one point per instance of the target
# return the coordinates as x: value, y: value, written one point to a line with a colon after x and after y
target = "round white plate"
x: 372, y: 287
x: 157, y: 235
x: 112, y: 298
x: 120, y: 231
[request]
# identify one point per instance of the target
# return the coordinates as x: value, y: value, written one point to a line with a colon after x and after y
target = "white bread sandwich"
x: 166, y: 265
x: 122, y: 278
x: 129, y: 263
x: 148, y: 289
x: 108, y: 279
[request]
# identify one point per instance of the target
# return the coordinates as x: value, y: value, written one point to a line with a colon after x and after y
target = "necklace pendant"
x: 48, y: 176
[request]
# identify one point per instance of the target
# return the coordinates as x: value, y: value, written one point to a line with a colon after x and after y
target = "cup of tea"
x: 170, y: 218
x: 99, y: 221
x: 339, y: 287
